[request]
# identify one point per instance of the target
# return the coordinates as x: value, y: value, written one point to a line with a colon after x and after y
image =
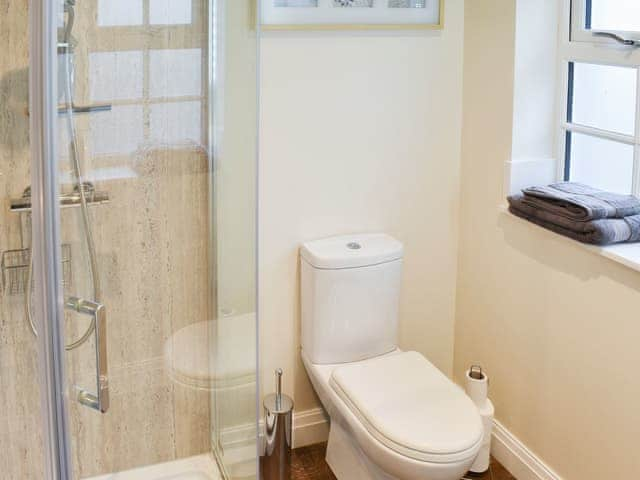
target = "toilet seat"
x: 409, y: 406
x: 354, y: 453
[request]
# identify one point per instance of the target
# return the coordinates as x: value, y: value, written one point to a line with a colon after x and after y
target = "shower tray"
x: 200, y: 467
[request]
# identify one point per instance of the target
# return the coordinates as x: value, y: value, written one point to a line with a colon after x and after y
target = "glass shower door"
x: 134, y: 164
x: 155, y: 278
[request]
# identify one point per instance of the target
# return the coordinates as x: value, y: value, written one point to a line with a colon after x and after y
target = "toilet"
x: 394, y: 416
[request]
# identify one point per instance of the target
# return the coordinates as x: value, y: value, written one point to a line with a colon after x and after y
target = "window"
x: 600, y: 97
x: 145, y: 60
x: 621, y: 17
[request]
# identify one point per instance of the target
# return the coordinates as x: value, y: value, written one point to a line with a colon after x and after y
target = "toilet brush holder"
x: 477, y: 386
x: 278, y: 417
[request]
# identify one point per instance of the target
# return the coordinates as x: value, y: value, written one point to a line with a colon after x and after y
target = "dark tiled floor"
x: 308, y: 463
x: 496, y: 472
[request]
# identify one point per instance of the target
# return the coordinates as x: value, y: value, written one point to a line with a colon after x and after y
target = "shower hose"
x: 80, y: 186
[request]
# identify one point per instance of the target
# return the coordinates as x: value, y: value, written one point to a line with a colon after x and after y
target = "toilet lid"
x: 410, y: 406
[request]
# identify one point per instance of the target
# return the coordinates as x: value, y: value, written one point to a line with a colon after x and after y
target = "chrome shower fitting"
x: 70, y: 199
x: 83, y: 192
x: 15, y: 266
x: 68, y: 43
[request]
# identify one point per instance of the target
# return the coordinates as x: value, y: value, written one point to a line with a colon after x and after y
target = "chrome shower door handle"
x: 100, y: 401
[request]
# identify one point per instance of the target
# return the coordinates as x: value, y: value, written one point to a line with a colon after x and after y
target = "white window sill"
x: 627, y: 254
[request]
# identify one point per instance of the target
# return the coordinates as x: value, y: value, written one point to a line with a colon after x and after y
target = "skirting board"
x: 309, y: 427
x: 517, y: 458
x: 312, y: 426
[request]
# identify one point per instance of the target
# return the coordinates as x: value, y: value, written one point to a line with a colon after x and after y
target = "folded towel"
x: 602, y: 231
x: 580, y: 202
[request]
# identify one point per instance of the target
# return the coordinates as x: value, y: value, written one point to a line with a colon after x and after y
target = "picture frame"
x: 352, y: 14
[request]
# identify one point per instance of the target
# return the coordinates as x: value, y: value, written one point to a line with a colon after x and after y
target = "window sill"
x: 627, y: 254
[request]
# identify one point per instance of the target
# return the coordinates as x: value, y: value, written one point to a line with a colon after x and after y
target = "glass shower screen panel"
x: 234, y: 344
x: 158, y: 264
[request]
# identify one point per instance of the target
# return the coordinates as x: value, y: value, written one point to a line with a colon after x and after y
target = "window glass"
x: 617, y: 15
x: 119, y: 131
x: 175, y: 73
x: 170, y: 12
x: 176, y: 123
x: 115, y: 75
x: 113, y: 13
x: 601, y: 163
x: 603, y: 97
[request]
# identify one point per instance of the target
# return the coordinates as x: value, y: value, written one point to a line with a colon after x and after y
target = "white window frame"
x: 580, y: 34
x: 581, y: 45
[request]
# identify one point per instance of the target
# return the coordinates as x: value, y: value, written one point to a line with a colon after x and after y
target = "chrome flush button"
x: 354, y: 246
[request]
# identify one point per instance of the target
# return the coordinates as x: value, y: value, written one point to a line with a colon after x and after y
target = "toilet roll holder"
x: 477, y: 389
x: 476, y: 373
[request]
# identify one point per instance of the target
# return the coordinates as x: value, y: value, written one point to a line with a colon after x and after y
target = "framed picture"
x: 352, y: 14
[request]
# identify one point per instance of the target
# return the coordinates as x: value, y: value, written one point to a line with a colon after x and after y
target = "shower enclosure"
x: 128, y: 239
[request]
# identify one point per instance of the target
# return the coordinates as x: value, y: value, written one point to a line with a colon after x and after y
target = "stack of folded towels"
x: 580, y: 212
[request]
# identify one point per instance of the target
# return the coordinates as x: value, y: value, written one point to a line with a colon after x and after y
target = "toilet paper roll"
x: 482, y: 461
x: 477, y: 388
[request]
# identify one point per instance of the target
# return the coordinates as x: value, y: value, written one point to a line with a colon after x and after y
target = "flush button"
x: 354, y: 246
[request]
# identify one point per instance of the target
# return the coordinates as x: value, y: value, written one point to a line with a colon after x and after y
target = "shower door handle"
x: 100, y: 401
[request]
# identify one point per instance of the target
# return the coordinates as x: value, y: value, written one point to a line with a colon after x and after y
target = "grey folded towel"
x: 602, y: 231
x: 577, y: 201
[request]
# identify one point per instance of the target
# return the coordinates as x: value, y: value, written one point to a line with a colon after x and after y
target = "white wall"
x: 360, y: 132
x: 555, y: 326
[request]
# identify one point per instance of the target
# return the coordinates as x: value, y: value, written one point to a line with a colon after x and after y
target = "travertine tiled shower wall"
x: 152, y: 239
x: 20, y: 445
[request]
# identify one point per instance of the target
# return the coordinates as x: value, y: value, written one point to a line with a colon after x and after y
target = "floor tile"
x: 308, y: 463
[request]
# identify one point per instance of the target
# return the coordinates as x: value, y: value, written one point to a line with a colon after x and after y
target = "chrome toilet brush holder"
x: 278, y: 418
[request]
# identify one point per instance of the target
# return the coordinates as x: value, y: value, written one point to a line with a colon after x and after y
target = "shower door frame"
x: 47, y: 275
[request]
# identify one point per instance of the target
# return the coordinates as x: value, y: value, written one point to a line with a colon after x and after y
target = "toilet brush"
x: 278, y: 417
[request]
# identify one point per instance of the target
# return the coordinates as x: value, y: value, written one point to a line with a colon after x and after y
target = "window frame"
x: 577, y: 45
x: 580, y: 34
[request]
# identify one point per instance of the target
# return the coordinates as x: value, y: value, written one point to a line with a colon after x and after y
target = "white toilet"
x: 393, y: 414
